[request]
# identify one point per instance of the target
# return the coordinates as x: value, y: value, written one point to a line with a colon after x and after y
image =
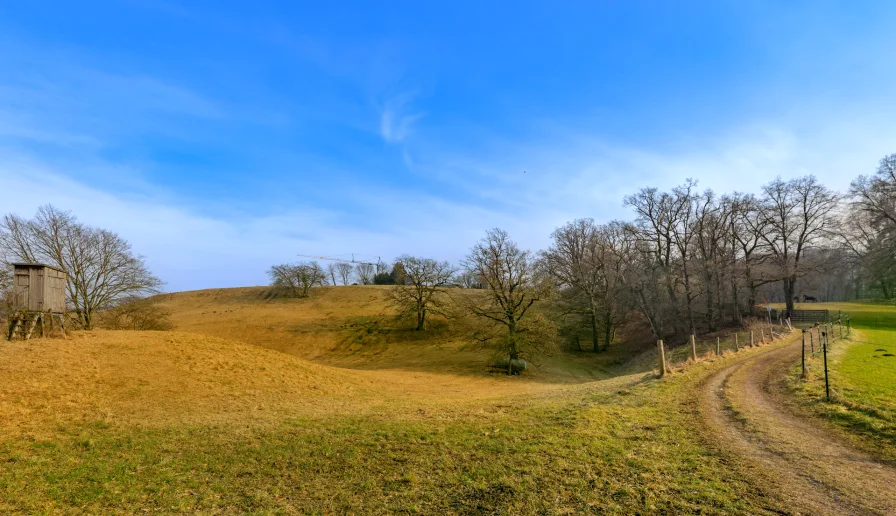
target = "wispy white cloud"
x: 539, y: 188
x: 572, y: 173
x: 397, y: 118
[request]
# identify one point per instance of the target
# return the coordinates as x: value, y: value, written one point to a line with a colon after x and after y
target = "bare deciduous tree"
x: 585, y: 259
x: 800, y: 213
x: 101, y: 268
x: 298, y: 279
x: 513, y: 287
x: 365, y: 272
x: 876, y: 195
x: 869, y: 234
x: 344, y: 270
x: 5, y: 276
x: 467, y: 279
x: 331, y: 271
x: 423, y: 292
x: 658, y: 216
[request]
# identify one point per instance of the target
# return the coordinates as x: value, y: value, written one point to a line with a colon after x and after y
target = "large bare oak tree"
x: 299, y: 278
x: 513, y: 286
x: 423, y: 291
x: 102, y: 269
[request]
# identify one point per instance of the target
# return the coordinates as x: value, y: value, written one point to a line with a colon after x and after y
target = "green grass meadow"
x: 862, y: 372
x: 632, y: 451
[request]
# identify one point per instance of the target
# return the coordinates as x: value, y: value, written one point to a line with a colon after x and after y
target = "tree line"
x: 688, y: 261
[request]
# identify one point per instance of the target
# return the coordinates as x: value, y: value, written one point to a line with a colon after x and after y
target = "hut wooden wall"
x: 39, y: 288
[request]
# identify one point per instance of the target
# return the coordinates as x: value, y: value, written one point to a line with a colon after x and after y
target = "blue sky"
x: 220, y: 138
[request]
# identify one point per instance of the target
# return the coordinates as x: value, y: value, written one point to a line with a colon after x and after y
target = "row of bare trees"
x: 298, y: 278
x: 689, y: 261
x: 869, y: 233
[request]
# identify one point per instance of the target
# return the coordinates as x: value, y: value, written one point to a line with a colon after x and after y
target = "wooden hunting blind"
x: 38, y: 298
x: 39, y: 288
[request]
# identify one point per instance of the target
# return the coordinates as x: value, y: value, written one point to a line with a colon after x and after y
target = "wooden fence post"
x: 659, y: 344
x: 804, y: 353
x: 693, y: 347
x: 811, y: 341
x: 824, y: 347
x: 751, y: 339
x: 762, y: 334
x: 718, y: 346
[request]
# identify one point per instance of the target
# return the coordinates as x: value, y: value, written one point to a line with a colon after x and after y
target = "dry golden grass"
x: 355, y: 328
x: 160, y: 378
x: 329, y: 405
x: 239, y: 359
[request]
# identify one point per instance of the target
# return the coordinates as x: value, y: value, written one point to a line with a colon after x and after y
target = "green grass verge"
x: 639, y: 450
x: 862, y: 373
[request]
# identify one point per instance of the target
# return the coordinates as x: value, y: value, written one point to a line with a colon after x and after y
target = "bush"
x: 136, y: 314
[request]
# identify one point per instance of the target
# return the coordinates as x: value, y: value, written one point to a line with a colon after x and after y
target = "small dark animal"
x: 796, y: 299
x: 807, y: 299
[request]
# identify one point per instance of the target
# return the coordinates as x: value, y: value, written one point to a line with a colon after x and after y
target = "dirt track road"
x: 799, y: 461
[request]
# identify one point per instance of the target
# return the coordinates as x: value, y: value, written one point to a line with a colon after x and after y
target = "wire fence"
x: 756, y: 333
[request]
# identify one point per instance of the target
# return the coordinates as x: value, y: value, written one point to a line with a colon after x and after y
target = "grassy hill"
x: 354, y: 327
x: 328, y: 404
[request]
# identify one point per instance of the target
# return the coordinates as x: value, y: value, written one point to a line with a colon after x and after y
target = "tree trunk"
x: 717, y: 311
x: 642, y: 303
x: 608, y: 330
x: 673, y: 300
x: 689, y: 300
x: 735, y: 300
x: 595, y: 340
x: 710, y: 303
x: 789, y: 288
x: 421, y: 319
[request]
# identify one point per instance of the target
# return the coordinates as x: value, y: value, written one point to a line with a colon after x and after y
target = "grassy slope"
x: 862, y: 377
x: 176, y: 421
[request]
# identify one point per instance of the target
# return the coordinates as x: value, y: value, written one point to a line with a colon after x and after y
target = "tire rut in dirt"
x: 806, y: 469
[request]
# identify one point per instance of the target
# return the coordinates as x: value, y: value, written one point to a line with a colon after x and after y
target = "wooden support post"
x: 751, y: 340
x: 848, y: 328
x: 811, y: 341
x: 659, y: 345
x: 693, y: 347
x: 736, y: 346
x: 718, y: 346
x: 762, y: 334
x: 13, y: 326
x: 804, y: 353
x: 824, y: 348
x: 31, y: 327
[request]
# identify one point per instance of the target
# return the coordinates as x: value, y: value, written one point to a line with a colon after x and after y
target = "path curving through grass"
x: 809, y: 468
